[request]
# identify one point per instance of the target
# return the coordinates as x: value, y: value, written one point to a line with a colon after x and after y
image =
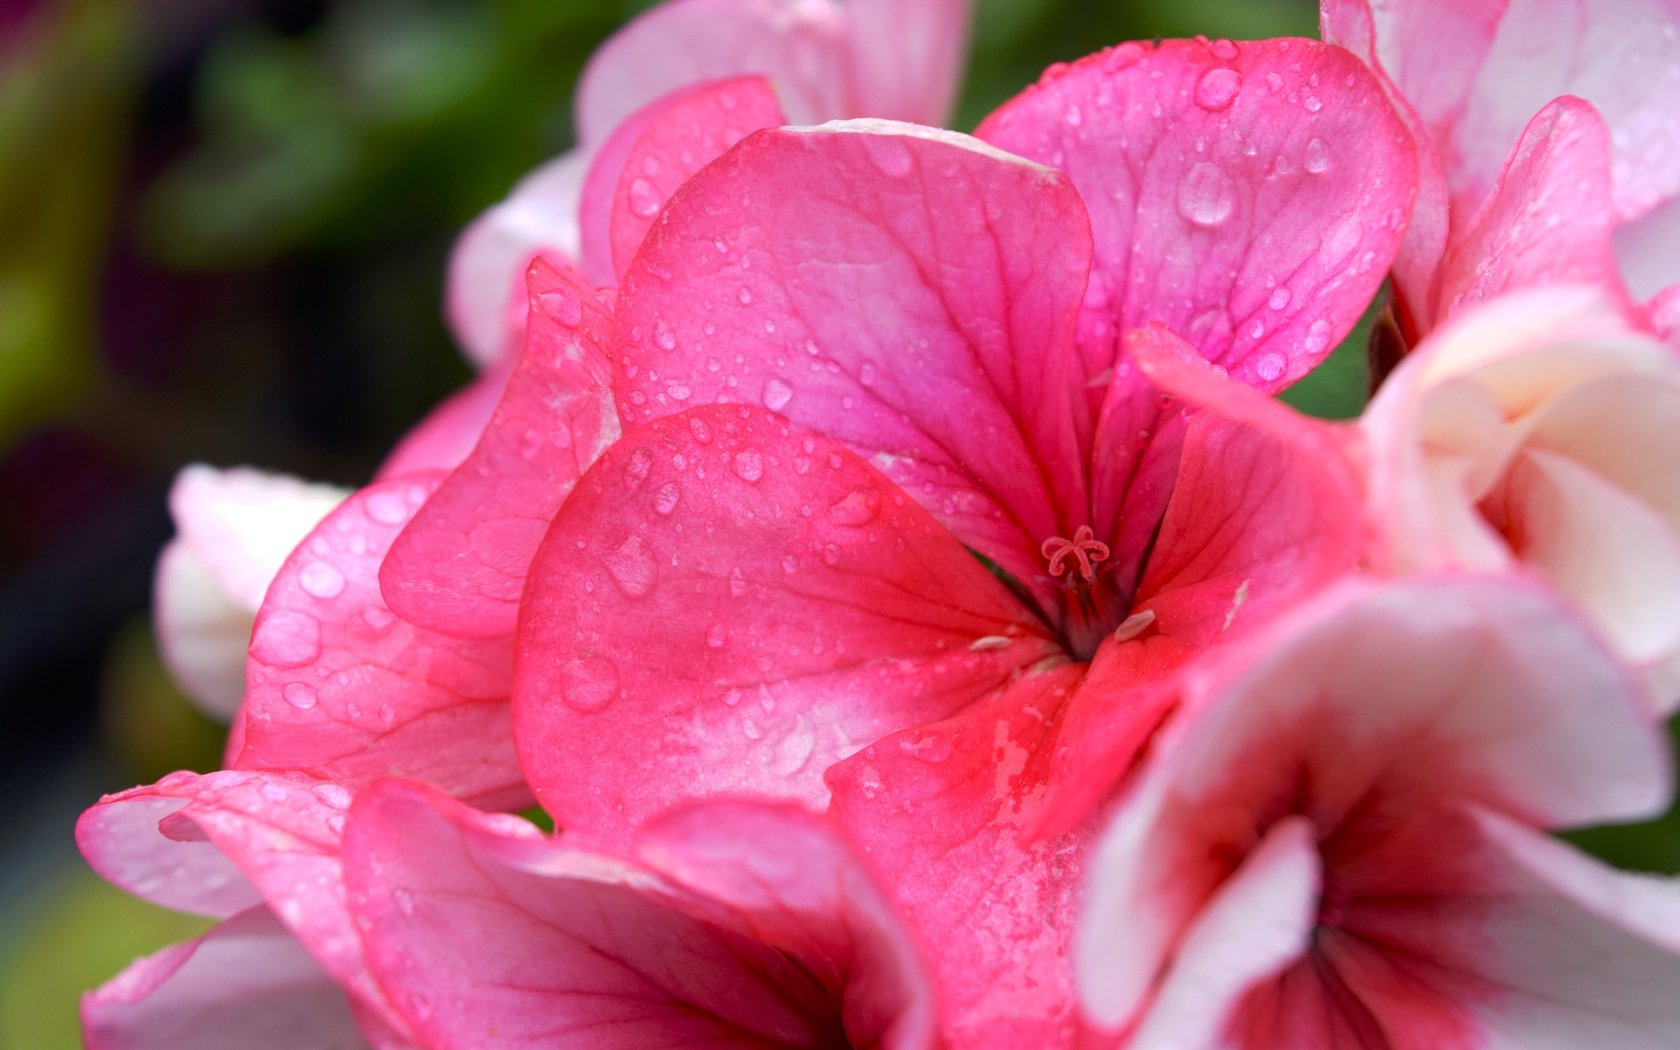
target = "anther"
x: 1084, y: 549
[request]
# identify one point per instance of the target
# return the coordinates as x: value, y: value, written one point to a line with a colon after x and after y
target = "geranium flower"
x: 1340, y: 842
x: 1549, y: 147
x: 727, y: 924
x: 1536, y: 433
x: 926, y: 361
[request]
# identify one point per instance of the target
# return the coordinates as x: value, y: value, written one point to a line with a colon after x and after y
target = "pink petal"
x: 654, y: 152
x: 942, y: 814
x: 1256, y: 924
x: 1547, y: 221
x: 476, y: 925
x: 484, y: 298
x: 799, y: 887
x: 246, y: 983
x: 726, y: 606
x: 908, y: 291
x: 908, y: 58
x: 459, y: 568
x: 450, y: 431
x: 1330, y: 713
x: 1249, y: 197
x: 225, y: 842
x: 340, y: 686
x: 1581, y: 955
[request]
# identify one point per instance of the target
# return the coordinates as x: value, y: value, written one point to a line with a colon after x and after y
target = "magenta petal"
x: 941, y: 813
x: 338, y: 685
x: 1549, y: 218
x: 908, y: 291
x: 1248, y: 196
x: 478, y: 924
x: 726, y: 606
x: 460, y: 566
x: 654, y: 152
x: 246, y: 983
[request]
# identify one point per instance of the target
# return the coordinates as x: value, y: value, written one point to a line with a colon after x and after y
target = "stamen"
x: 1134, y: 625
x: 1085, y: 549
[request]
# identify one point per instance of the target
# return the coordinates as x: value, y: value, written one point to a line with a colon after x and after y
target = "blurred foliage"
x: 145, y: 720
x: 64, y: 100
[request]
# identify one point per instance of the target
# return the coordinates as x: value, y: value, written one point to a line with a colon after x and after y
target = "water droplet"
x: 678, y: 391
x: 644, y: 198
x: 701, y: 430
x: 665, y: 500
x: 321, y: 580
x: 721, y: 245
x: 777, y: 394
x: 745, y: 295
x: 737, y: 583
x: 1269, y: 367
x: 1317, y: 157
x: 387, y: 713
x: 796, y: 748
x: 665, y: 339
x: 589, y: 684
x: 1312, y: 104
x: 1217, y: 88
x: 1206, y: 196
x: 1278, y: 299
x: 790, y: 564
x: 1318, y: 337
x: 286, y: 639
x: 855, y: 508
x: 636, y: 469
x: 387, y: 508
x: 749, y: 465
x: 1073, y: 117
x: 632, y: 568
x: 716, y: 635
x: 831, y: 554
x: 300, y: 695
x: 333, y: 796
x: 1223, y: 49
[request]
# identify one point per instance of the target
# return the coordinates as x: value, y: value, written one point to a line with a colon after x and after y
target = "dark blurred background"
x: 223, y: 226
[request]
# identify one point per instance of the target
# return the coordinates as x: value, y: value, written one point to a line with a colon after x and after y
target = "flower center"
x: 1091, y: 604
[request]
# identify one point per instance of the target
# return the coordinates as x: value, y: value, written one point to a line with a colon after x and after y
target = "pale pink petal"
x: 1259, y: 921
x: 246, y: 983
x: 1645, y: 251
x: 338, y: 685
x: 1601, y: 546
x: 460, y: 566
x: 1248, y: 196
x: 725, y: 606
x: 1622, y: 57
x: 908, y: 58
x: 448, y: 433
x: 653, y: 153
x: 942, y: 814
x: 1581, y: 955
x: 1664, y: 311
x: 476, y: 924
x: 484, y: 297
x: 202, y: 630
x: 242, y: 523
x: 1330, y: 713
x: 1548, y: 219
x: 908, y: 291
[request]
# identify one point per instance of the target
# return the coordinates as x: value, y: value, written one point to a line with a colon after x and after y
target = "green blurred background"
x: 223, y: 227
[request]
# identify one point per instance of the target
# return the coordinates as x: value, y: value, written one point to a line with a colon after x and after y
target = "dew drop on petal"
x: 777, y: 393
x: 665, y: 500
x: 589, y: 684
x: 300, y: 695
x: 387, y: 508
x: 632, y: 568
x: 737, y: 583
x: 321, y: 580
x: 855, y: 508
x: 636, y: 469
x: 1269, y: 367
x: 1278, y: 299
x: 1206, y: 196
x: 716, y: 635
x: 644, y: 198
x: 749, y: 465
x: 1317, y: 157
x: 1217, y: 88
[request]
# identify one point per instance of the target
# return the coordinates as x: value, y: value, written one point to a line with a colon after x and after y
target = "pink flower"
x: 1536, y: 433
x: 922, y: 345
x: 1340, y: 842
x: 234, y: 529
x: 284, y: 969
x: 727, y: 924
x: 827, y: 59
x: 1551, y: 147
